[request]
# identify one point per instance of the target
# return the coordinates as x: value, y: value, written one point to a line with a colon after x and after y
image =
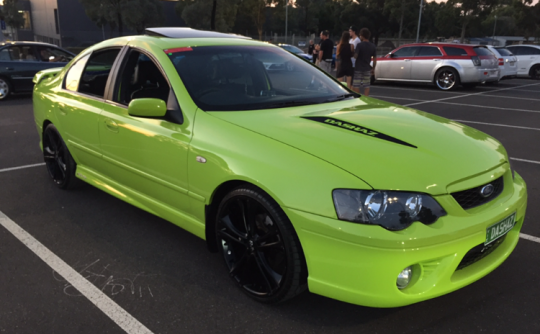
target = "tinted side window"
x: 504, y: 52
x: 18, y: 53
x: 53, y: 55
x: 527, y: 51
x: 140, y: 78
x: 426, y: 51
x: 406, y: 52
x: 453, y: 51
x: 483, y: 52
x: 96, y: 72
x: 74, y: 74
x: 516, y: 50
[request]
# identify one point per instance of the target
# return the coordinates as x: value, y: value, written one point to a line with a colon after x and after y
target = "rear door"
x: 425, y: 63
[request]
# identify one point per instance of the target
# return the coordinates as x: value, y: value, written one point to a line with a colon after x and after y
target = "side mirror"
x: 344, y: 84
x: 147, y: 108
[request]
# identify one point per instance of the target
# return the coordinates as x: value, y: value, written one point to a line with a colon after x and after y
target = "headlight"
x: 393, y: 210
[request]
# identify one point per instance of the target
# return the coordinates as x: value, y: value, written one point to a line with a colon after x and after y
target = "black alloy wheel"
x: 535, y: 72
x: 261, y: 249
x: 60, y: 164
x: 446, y: 78
x: 5, y: 89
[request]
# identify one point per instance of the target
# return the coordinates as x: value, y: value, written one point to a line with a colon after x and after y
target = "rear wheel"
x: 59, y: 162
x: 446, y: 78
x: 5, y: 88
x: 535, y: 72
x: 261, y: 250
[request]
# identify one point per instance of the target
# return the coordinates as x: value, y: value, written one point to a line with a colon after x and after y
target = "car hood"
x: 387, y: 146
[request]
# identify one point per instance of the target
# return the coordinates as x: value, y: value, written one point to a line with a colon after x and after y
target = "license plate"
x: 512, y: 63
x: 499, y: 229
x: 493, y: 74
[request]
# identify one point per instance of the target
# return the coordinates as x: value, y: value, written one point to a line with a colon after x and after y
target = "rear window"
x: 504, y: 51
x: 453, y: 51
x: 483, y: 52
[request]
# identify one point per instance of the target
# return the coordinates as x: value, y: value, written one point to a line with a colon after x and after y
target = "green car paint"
x: 299, y: 155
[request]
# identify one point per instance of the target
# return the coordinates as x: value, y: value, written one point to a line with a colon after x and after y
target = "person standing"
x: 311, y: 49
x: 363, y: 70
x: 353, y: 31
x: 326, y: 52
x: 344, y: 54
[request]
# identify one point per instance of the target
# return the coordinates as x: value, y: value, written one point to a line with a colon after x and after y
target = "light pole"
x: 494, y: 26
x: 286, y: 18
x: 419, y: 20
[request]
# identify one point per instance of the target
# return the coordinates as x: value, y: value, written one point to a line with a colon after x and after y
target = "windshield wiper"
x: 342, y: 97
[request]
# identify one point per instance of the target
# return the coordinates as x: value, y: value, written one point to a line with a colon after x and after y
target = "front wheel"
x: 261, y: 250
x: 535, y: 72
x: 446, y: 78
x: 5, y: 89
x: 59, y: 162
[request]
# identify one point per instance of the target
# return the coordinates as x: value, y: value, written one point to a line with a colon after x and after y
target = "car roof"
x: 444, y: 44
x: 189, y: 33
x: 515, y: 45
x: 26, y: 43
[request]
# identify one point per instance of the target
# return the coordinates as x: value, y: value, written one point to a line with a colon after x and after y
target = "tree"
x: 11, y: 14
x: 140, y: 14
x: 472, y: 10
x: 196, y: 14
x: 110, y: 11
x: 256, y: 11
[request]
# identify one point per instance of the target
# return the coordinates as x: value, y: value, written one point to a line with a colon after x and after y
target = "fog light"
x: 404, y: 278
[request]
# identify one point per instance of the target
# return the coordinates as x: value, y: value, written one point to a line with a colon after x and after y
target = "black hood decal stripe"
x: 356, y: 128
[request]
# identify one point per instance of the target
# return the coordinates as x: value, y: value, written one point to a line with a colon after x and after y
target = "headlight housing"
x: 393, y: 210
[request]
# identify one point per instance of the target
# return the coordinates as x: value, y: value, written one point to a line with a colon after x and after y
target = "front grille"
x: 471, y: 198
x: 479, y: 252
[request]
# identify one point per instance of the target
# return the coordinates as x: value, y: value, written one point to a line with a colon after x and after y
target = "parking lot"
x: 161, y: 279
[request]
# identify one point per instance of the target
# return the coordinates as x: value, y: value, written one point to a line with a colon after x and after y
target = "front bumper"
x: 359, y: 263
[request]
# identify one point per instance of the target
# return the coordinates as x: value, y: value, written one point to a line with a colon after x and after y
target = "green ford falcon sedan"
x: 298, y: 182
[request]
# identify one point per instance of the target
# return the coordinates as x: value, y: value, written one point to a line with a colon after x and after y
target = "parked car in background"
x: 296, y: 51
x: 507, y: 61
x: 528, y: 60
x: 446, y: 65
x: 20, y: 61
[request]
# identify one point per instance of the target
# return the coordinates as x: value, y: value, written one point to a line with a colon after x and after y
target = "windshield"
x: 228, y: 78
x: 292, y: 49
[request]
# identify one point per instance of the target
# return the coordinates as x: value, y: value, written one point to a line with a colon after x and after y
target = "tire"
x: 446, y: 78
x: 5, y: 88
x: 59, y: 162
x: 535, y: 72
x: 260, y: 247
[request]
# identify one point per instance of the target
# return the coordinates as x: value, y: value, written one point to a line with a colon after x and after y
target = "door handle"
x: 436, y: 60
x: 407, y: 60
x: 111, y: 125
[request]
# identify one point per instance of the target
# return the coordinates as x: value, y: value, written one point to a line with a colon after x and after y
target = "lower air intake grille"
x: 473, y: 197
x: 479, y: 252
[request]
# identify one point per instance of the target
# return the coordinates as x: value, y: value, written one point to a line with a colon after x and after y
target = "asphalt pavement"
x: 165, y: 278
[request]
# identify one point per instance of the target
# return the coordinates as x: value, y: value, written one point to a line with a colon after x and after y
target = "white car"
x: 507, y: 61
x: 528, y: 59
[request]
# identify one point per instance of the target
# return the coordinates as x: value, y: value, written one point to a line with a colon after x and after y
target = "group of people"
x: 354, y: 55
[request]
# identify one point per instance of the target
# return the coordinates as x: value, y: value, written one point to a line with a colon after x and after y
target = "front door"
x: 399, y: 66
x: 147, y: 155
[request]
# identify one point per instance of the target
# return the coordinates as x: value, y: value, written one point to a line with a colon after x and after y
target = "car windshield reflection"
x: 226, y: 78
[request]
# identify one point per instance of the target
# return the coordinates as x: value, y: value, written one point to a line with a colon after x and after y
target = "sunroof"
x: 189, y: 33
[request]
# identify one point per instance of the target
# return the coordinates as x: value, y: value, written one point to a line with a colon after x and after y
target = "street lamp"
x: 494, y: 26
x: 419, y: 19
x: 286, y: 18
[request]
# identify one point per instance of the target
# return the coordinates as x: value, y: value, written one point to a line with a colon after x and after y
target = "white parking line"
x: 473, y: 94
x: 511, y: 97
x: 493, y: 124
x: 529, y: 237
x: 117, y: 314
x: 21, y: 167
x: 450, y: 103
x: 525, y: 160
